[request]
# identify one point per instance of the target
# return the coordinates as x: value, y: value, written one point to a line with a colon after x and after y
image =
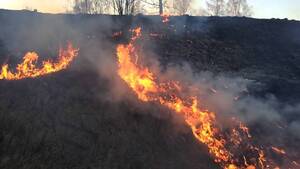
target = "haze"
x: 261, y: 8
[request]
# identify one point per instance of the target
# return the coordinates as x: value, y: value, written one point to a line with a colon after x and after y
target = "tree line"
x: 173, y: 7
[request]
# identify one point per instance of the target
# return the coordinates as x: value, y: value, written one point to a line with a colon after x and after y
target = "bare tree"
x: 151, y: 5
x: 124, y: 7
x: 92, y: 6
x: 130, y: 6
x: 181, y: 6
x: 216, y: 7
x: 161, y: 8
x: 81, y: 6
x: 101, y: 6
x: 238, y: 8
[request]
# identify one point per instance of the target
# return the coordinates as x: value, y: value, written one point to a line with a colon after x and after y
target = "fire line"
x: 29, y: 69
x: 225, y: 149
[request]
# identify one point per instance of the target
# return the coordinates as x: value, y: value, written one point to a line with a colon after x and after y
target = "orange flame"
x: 142, y: 81
x: 165, y: 17
x: 278, y: 150
x: 28, y: 68
x: 203, y: 123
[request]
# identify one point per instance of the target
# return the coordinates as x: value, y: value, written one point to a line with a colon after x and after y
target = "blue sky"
x: 262, y: 8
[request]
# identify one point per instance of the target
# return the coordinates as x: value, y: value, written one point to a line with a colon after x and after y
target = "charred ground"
x: 70, y: 119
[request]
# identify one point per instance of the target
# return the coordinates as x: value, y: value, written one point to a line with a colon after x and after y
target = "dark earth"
x: 70, y: 120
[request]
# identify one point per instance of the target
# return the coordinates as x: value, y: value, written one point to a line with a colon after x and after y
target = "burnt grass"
x: 70, y: 120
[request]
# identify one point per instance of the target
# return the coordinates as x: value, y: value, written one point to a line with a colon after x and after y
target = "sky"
x: 261, y: 8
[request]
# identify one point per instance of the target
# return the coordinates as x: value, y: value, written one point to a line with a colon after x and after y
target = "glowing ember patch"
x: 251, y: 167
x: 28, y: 68
x: 231, y: 166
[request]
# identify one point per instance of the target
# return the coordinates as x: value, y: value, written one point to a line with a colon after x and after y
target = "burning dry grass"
x: 28, y: 68
x: 232, y: 150
x: 225, y: 147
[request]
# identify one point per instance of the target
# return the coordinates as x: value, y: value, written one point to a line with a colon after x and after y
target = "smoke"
x: 292, y: 114
x: 230, y: 96
x: 35, y: 32
x: 226, y: 94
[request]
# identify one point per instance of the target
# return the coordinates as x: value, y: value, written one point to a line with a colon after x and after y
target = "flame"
x: 142, y: 81
x: 155, y: 35
x: 117, y: 34
x: 226, y: 149
x: 28, y: 68
x: 278, y: 150
x: 296, y: 163
x: 165, y: 17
